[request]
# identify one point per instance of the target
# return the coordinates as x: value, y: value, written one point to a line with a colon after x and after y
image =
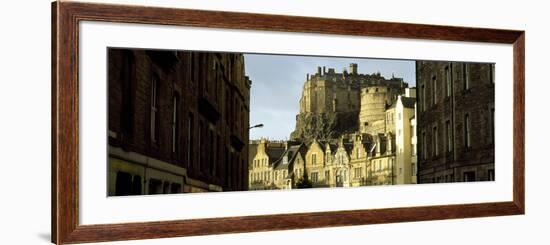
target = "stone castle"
x: 333, y: 104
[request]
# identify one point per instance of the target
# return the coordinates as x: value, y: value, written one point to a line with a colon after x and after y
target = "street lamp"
x: 257, y: 126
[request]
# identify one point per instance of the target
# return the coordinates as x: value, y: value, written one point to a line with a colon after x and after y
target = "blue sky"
x: 277, y: 86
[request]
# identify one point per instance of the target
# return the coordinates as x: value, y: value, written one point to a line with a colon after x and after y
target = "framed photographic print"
x: 174, y: 122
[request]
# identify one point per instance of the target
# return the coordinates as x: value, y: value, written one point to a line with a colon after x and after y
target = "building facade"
x: 177, y: 122
x: 455, y: 121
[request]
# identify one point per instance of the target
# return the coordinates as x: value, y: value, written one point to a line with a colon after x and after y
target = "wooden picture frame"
x: 65, y: 121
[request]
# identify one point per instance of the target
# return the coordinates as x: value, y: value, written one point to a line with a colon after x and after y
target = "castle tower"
x: 373, y: 107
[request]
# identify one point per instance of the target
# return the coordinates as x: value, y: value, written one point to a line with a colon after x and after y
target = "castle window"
x: 314, y: 159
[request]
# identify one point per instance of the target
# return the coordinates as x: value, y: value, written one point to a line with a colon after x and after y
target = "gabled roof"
x: 274, y: 153
x: 348, y: 147
x: 408, y: 102
x: 291, y: 153
x: 333, y: 147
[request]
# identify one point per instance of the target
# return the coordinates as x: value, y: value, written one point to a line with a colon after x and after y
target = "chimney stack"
x: 353, y: 68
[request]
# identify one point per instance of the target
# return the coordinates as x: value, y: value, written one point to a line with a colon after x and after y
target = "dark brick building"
x: 178, y: 121
x: 455, y: 121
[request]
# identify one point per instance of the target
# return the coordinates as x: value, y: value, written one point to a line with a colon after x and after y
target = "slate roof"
x: 291, y: 153
x: 274, y: 153
x: 408, y: 102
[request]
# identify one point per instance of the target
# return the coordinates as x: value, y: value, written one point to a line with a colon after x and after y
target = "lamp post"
x: 257, y: 126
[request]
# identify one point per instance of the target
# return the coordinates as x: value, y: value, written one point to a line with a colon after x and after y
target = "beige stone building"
x: 276, y: 165
x: 315, y: 163
x: 400, y: 114
x: 358, y: 159
x: 261, y: 170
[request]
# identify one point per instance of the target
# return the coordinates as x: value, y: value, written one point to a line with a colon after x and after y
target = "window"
x: 492, y: 73
x: 434, y: 90
x: 467, y: 130
x: 127, y: 110
x: 466, y: 76
x: 201, y: 145
x: 314, y: 177
x: 492, y: 126
x: 448, y: 78
x: 449, y: 136
x: 175, y: 124
x: 423, y: 94
x: 155, y: 186
x: 327, y: 175
x: 413, y: 168
x: 314, y: 159
x: 212, y: 149
x: 424, y: 150
x: 469, y: 176
x: 166, y: 187
x: 123, y: 185
x: 175, y: 188
x: 435, y: 145
x: 194, y: 70
x: 190, y: 131
x: 154, y: 109
x: 136, y: 185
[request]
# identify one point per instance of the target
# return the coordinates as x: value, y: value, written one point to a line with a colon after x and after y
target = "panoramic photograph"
x: 184, y: 121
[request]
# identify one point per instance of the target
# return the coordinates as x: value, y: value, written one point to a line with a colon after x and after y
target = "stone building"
x: 331, y: 102
x: 276, y: 164
x: 455, y: 121
x: 358, y: 158
x: 380, y: 162
x: 399, y: 116
x: 177, y: 122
